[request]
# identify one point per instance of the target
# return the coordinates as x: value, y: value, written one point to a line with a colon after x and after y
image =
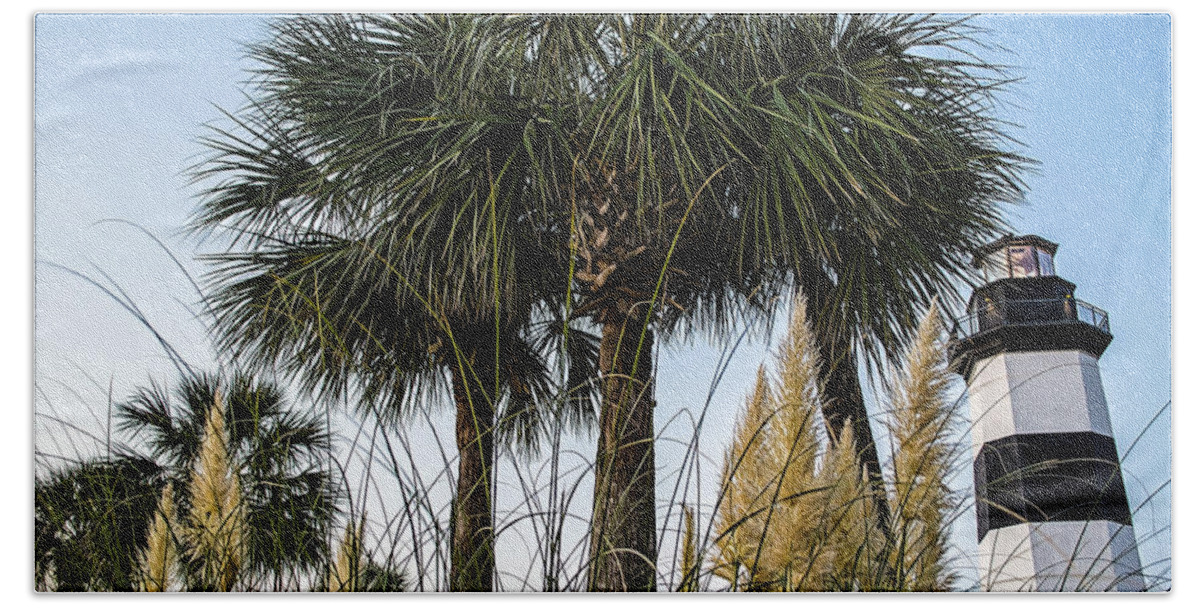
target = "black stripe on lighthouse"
x: 1048, y: 477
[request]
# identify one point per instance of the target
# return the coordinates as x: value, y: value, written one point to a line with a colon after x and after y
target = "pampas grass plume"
x: 346, y: 571
x: 923, y: 460
x: 217, y: 517
x: 160, y: 567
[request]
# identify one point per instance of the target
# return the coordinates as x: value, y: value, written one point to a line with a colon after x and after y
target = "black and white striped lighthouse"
x: 1051, y: 507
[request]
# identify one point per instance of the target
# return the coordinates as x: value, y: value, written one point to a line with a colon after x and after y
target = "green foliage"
x: 92, y: 517
x: 489, y: 161
x: 278, y: 453
x: 375, y: 578
x: 382, y: 579
x: 90, y: 522
x: 338, y: 317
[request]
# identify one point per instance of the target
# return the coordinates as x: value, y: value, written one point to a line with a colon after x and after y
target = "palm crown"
x: 91, y: 518
x: 279, y: 454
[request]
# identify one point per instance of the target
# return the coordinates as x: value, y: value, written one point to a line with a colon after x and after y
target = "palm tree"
x: 670, y: 173
x: 91, y: 518
x: 279, y: 454
x: 368, y: 273
x: 845, y: 153
x: 337, y: 316
x: 90, y: 523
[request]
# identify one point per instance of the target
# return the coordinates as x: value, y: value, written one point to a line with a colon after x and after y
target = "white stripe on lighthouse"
x: 1061, y: 556
x: 1057, y: 392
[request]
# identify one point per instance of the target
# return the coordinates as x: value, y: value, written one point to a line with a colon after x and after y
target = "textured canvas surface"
x: 476, y: 235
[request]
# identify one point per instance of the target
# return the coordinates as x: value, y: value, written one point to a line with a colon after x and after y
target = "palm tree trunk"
x: 472, y: 549
x: 843, y: 392
x: 623, y: 545
x: 844, y: 402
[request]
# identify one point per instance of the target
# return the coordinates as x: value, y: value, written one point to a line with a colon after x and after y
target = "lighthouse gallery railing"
x: 990, y: 315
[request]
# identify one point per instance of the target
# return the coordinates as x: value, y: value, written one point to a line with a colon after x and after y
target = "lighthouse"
x: 1051, y: 508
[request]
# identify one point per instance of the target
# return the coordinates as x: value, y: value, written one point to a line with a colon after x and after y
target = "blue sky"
x: 121, y: 100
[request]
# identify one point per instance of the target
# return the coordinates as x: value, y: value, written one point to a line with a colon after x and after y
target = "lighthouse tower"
x: 1051, y: 508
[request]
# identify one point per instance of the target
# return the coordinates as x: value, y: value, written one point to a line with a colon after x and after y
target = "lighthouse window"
x: 1045, y: 263
x: 1022, y: 261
